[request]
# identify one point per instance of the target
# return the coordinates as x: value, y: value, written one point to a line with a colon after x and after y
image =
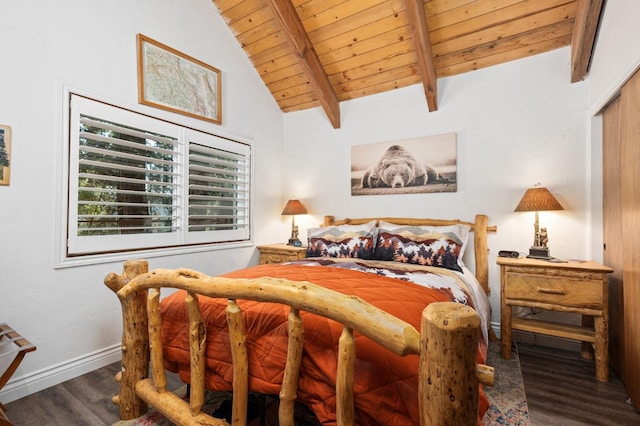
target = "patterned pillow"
x: 342, y: 241
x: 441, y: 246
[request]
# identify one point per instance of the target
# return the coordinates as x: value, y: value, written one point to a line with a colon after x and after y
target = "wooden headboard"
x: 479, y: 227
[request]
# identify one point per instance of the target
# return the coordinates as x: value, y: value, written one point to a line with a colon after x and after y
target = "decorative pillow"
x: 441, y: 246
x: 342, y: 241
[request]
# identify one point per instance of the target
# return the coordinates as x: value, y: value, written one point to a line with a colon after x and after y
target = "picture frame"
x: 171, y: 80
x: 5, y: 154
x: 426, y: 164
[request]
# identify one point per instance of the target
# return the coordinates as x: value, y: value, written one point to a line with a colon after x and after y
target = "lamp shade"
x: 294, y: 207
x: 538, y: 199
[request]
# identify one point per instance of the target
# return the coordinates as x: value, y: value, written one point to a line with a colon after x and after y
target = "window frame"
x: 181, y: 242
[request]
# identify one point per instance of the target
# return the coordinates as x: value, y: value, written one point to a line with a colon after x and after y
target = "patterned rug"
x: 508, y: 403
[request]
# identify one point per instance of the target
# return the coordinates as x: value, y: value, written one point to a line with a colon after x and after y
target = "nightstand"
x: 277, y: 253
x: 575, y: 286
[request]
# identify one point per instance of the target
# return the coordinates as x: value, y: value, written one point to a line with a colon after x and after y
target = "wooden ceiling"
x: 313, y: 53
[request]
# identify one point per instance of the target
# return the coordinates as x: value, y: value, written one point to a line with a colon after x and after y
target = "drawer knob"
x: 551, y: 290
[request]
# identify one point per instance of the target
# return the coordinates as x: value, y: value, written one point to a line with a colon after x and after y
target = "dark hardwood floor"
x: 83, y: 401
x: 562, y: 390
x: 560, y: 386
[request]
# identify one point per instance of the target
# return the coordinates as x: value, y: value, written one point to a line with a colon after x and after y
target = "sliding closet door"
x: 612, y: 231
x: 630, y: 198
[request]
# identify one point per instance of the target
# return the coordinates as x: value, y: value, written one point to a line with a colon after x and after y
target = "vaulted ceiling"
x: 313, y: 53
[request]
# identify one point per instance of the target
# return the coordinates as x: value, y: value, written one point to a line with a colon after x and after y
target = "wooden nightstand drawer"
x: 555, y: 290
x: 278, y: 253
x: 267, y: 258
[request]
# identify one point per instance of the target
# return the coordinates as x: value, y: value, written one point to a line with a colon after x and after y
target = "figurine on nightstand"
x: 294, y: 236
x: 544, y: 239
x: 294, y: 240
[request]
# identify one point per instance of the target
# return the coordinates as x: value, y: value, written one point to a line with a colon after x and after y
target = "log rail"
x: 449, y: 375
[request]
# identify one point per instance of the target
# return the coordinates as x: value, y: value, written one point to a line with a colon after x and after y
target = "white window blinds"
x: 218, y: 189
x: 136, y: 182
x: 127, y: 180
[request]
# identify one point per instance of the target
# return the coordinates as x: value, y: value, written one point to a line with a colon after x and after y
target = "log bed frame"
x: 449, y: 376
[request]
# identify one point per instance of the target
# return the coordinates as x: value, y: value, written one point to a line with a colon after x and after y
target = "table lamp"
x: 534, y: 200
x: 294, y: 207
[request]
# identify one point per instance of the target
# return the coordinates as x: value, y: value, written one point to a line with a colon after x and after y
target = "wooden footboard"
x: 449, y: 374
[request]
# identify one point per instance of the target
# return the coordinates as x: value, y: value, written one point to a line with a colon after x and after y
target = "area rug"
x: 507, y: 399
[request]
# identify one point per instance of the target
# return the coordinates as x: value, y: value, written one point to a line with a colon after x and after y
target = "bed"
x: 336, y: 331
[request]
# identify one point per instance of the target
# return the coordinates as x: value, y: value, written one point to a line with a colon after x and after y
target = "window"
x: 138, y: 183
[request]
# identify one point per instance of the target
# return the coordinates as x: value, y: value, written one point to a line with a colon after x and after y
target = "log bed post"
x: 135, y: 340
x: 481, y: 249
x: 448, y: 386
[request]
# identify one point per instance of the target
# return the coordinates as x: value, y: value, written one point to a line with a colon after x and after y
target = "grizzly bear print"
x: 399, y: 168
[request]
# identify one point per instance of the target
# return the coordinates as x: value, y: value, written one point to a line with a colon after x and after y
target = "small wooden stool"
x: 11, y: 343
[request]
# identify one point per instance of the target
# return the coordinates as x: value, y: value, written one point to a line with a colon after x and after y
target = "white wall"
x: 616, y: 57
x: 517, y: 124
x: 616, y: 52
x: 90, y: 45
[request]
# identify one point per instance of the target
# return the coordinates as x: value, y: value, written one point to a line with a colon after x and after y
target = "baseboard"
x: 495, y: 326
x: 23, y: 386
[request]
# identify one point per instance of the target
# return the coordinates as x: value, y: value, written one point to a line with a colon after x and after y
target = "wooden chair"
x: 11, y: 343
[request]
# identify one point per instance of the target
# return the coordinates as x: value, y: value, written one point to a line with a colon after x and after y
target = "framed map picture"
x: 176, y: 82
x: 5, y: 154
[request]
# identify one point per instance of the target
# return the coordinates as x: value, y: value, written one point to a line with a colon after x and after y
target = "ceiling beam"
x: 299, y: 41
x: 418, y: 24
x: 584, y: 35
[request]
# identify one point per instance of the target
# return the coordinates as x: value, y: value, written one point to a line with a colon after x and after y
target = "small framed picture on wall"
x: 5, y: 154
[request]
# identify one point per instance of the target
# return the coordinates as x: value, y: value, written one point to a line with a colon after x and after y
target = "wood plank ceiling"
x: 313, y: 53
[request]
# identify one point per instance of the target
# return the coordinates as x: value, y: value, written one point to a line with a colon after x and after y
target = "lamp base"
x: 294, y: 242
x: 539, y: 253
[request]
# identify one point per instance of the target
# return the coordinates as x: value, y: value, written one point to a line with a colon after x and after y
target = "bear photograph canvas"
x: 417, y: 165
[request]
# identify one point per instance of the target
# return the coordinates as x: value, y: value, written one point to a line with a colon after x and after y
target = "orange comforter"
x: 385, y: 391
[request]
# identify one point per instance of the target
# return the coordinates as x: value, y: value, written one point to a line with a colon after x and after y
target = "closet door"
x: 630, y: 200
x: 612, y: 231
